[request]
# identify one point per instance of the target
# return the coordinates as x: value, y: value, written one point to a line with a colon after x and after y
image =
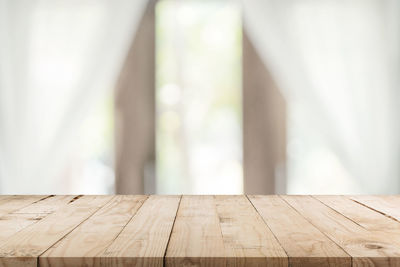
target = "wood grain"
x: 144, y: 239
x: 9, y: 204
x: 23, y: 248
x: 388, y: 205
x: 366, y: 247
x: 196, y: 239
x: 304, y: 244
x: 48, y: 204
x: 381, y: 225
x: 247, y: 239
x: 14, y: 222
x: 90, y: 239
x: 362, y: 215
x: 199, y: 231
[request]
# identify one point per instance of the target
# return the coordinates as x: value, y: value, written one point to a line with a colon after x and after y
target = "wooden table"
x: 199, y: 230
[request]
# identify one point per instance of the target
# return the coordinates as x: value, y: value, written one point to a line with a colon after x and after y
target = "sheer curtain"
x: 57, y: 57
x: 337, y: 63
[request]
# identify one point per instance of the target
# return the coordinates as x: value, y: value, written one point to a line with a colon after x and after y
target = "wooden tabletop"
x: 199, y: 230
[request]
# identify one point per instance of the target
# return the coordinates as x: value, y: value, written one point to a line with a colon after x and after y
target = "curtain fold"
x: 337, y: 63
x: 57, y: 59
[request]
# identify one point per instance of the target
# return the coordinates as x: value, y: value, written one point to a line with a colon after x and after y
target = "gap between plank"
x: 35, y: 220
x: 339, y: 212
x: 41, y: 199
x: 219, y: 224
x: 378, y: 211
x: 75, y: 198
x: 37, y: 258
x: 277, y: 240
x: 317, y: 228
x: 172, y: 228
x: 137, y: 210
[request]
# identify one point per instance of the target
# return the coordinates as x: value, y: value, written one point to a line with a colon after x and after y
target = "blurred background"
x: 200, y: 97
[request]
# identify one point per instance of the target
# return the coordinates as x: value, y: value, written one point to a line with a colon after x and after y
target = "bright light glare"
x: 199, y: 129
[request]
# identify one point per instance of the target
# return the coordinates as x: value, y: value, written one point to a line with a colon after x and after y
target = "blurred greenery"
x: 199, y: 102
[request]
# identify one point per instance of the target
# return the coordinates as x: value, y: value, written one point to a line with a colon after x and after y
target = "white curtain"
x: 337, y: 63
x: 56, y: 58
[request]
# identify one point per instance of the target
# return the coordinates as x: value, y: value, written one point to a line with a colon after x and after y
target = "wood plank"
x: 247, y: 239
x: 362, y: 215
x: 304, y: 244
x: 90, y: 239
x: 143, y: 242
x: 196, y: 238
x: 388, y: 205
x: 2, y: 197
x: 48, y: 204
x: 366, y: 247
x: 199, y: 231
x: 12, y: 203
x: 23, y: 248
x: 370, y: 219
x: 14, y: 222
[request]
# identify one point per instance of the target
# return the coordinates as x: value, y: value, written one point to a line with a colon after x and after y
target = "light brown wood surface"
x: 23, y: 248
x: 128, y: 230
x: 366, y: 248
x: 88, y: 241
x: 247, y: 240
x: 301, y: 249
x: 196, y: 238
x: 144, y: 239
x: 387, y: 205
x: 12, y: 203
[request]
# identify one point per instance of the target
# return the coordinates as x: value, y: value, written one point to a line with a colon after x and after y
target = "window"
x: 198, y: 97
